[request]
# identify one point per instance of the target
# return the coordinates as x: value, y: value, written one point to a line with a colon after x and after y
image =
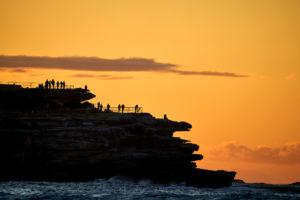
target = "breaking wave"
x: 120, y: 187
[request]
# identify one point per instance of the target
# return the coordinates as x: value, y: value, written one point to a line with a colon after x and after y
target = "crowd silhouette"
x: 50, y: 84
x: 121, y: 108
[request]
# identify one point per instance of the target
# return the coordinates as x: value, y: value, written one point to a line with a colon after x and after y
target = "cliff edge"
x: 85, y: 145
x: 51, y: 134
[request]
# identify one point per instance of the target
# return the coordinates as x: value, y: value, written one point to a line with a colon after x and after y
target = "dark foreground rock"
x: 238, y: 181
x: 84, y: 145
x: 296, y: 184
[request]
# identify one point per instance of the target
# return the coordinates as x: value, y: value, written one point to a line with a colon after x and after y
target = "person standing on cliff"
x: 57, y: 84
x: 108, y: 107
x: 53, y: 83
x: 46, y: 84
x: 136, y: 108
x: 165, y: 116
x: 119, y: 108
x: 123, y: 107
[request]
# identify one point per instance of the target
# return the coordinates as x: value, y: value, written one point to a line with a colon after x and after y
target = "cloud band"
x: 285, y: 154
x: 100, y: 64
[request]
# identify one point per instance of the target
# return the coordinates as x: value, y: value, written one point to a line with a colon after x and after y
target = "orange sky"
x: 248, y: 124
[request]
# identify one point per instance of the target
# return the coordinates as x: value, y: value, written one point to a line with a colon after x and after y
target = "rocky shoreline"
x: 83, y: 145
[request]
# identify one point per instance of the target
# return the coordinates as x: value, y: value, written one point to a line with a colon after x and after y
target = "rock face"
x: 238, y: 181
x: 48, y: 134
x: 14, y: 97
x: 80, y: 145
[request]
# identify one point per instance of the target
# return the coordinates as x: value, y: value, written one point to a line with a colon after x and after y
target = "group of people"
x: 121, y: 108
x: 51, y: 84
x: 100, y: 106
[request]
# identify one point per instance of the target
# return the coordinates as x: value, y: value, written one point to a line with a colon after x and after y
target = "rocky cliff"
x: 79, y: 145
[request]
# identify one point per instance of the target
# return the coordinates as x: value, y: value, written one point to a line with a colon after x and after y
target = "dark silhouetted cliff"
x: 58, y: 143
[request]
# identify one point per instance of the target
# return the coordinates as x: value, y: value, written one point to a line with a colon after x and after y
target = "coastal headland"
x: 54, y: 141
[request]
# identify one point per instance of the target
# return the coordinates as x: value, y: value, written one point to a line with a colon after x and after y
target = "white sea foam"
x: 125, y: 188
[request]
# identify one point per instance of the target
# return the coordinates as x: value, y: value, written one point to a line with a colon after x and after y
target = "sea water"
x: 122, y: 188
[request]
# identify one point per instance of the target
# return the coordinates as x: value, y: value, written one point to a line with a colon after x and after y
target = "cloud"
x: 19, y: 70
x: 84, y: 63
x: 290, y: 76
x: 100, y: 64
x: 207, y: 73
x: 285, y: 154
x: 102, y: 76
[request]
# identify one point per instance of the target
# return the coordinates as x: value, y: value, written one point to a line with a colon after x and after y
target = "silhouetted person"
x: 136, y: 108
x: 165, y: 116
x: 53, y: 83
x: 46, y: 84
x: 57, y: 84
x: 123, y: 107
x: 98, y: 105
x: 64, y: 84
x: 101, y: 107
x: 85, y: 87
x: 119, y: 108
x: 108, y: 107
x: 61, y: 85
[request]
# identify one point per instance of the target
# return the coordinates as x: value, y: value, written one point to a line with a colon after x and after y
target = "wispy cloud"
x: 101, y: 64
x: 84, y: 63
x: 285, y: 154
x: 290, y: 76
x: 207, y: 73
x: 19, y: 70
x: 101, y: 76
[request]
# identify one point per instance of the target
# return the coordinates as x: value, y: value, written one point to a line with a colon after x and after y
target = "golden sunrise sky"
x: 233, y: 69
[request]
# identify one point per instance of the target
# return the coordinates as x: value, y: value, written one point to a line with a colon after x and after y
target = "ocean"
x: 123, y: 188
